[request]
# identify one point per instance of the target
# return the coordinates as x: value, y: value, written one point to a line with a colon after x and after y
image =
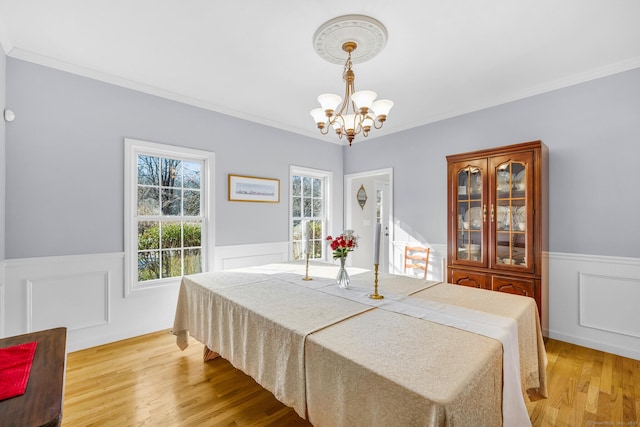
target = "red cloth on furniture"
x: 15, y: 366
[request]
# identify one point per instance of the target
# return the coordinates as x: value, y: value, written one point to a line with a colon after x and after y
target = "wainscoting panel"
x: 64, y: 293
x: 83, y: 293
x: 593, y: 302
x: 620, y: 294
x: 240, y: 256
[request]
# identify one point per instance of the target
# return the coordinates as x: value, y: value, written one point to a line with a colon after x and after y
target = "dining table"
x: 427, y: 354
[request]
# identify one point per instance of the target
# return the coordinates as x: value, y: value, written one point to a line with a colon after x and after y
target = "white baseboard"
x: 625, y: 351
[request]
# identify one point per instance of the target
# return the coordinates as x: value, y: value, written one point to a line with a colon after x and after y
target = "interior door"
x: 363, y: 211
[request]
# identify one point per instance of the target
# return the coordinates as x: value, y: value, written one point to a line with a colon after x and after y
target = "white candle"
x: 376, y: 245
x: 307, y: 230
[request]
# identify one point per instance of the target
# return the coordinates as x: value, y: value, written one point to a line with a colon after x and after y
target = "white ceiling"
x: 255, y: 59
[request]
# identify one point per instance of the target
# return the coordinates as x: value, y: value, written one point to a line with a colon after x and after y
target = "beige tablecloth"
x: 454, y: 400
x: 402, y: 371
x: 342, y: 362
x: 533, y: 357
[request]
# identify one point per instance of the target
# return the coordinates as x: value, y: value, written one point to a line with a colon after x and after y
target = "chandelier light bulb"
x: 329, y: 101
x: 338, y: 123
x: 363, y: 99
x: 367, y: 123
x: 350, y: 122
x: 382, y: 107
x: 319, y: 116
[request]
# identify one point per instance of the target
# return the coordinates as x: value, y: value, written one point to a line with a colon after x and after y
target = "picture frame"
x: 253, y: 189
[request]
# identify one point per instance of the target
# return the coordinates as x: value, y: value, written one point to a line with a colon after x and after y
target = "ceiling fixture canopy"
x: 358, y: 112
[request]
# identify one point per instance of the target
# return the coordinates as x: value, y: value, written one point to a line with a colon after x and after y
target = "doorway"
x: 368, y: 200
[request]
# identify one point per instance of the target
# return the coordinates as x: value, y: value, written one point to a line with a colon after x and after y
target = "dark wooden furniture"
x: 41, y: 405
x: 497, y: 223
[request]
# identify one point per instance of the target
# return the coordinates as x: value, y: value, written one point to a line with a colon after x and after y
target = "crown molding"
x: 593, y: 74
x: 575, y: 79
x: 5, y: 40
x: 57, y: 64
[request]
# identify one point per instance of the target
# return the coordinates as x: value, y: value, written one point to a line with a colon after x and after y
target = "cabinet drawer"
x: 515, y: 286
x: 466, y: 278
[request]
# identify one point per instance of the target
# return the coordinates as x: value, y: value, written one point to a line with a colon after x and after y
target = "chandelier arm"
x: 344, y: 108
x: 358, y: 124
x: 374, y: 120
x: 353, y: 106
x: 375, y: 124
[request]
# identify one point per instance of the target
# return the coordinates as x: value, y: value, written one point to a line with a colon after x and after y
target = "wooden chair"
x: 416, y: 257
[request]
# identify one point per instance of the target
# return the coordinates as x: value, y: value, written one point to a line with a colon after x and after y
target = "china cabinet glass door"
x: 471, y: 214
x: 510, y: 212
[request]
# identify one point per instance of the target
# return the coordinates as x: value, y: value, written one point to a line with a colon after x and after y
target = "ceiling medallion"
x: 368, y: 33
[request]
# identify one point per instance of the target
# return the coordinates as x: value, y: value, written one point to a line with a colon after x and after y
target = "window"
x: 309, y: 212
x: 168, y: 230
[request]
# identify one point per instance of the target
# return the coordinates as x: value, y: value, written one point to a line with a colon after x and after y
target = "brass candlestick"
x: 375, y: 294
x: 306, y: 273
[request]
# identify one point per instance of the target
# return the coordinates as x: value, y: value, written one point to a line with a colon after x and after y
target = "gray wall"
x: 593, y: 134
x: 65, y: 156
x: 3, y: 175
x: 64, y: 162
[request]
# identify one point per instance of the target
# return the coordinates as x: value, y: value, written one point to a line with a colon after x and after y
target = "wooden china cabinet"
x: 497, y: 219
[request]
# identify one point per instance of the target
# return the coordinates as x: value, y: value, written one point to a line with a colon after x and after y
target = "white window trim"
x: 133, y: 147
x: 315, y: 173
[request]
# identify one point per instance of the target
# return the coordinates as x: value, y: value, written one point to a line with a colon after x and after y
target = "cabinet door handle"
x: 492, y: 213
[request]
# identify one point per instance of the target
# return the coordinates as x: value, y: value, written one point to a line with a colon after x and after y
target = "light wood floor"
x: 147, y: 380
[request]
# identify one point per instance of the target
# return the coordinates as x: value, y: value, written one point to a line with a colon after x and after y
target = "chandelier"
x: 358, y: 112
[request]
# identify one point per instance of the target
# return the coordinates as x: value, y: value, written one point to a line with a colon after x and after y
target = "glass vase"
x: 343, y: 277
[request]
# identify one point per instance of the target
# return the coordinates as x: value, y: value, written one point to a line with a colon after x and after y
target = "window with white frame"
x: 309, y: 212
x: 168, y: 224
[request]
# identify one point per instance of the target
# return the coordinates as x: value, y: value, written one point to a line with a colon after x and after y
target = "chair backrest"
x: 416, y: 257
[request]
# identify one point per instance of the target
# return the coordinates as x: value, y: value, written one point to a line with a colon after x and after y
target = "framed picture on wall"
x: 253, y: 189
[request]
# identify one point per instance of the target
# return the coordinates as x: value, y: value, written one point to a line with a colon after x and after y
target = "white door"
x: 361, y: 216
